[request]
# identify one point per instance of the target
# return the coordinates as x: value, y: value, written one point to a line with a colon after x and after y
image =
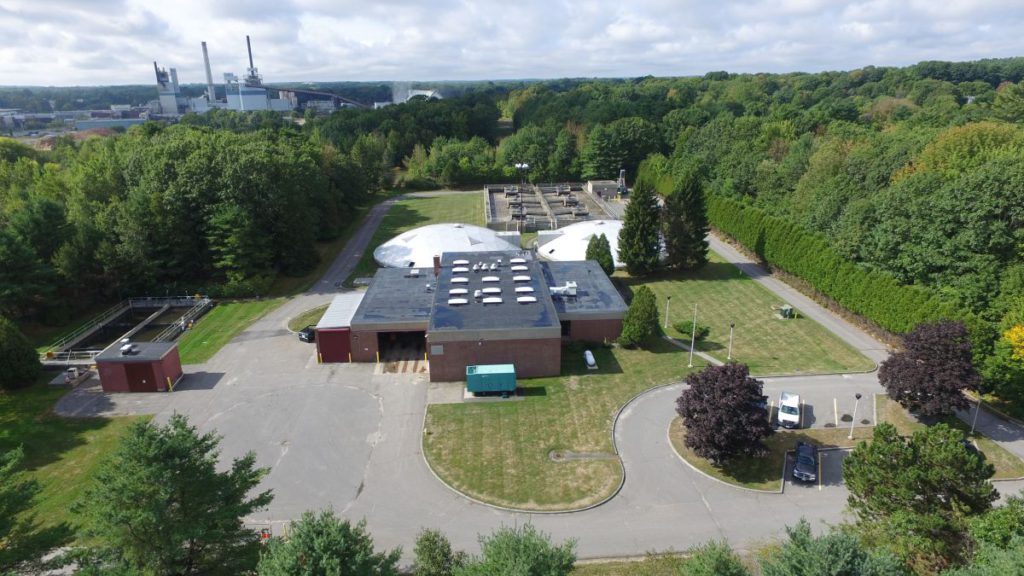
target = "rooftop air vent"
x: 127, y: 349
x: 492, y: 290
x: 460, y: 280
x: 526, y: 299
x: 458, y: 292
x: 569, y: 290
x: 477, y: 294
x: 476, y: 267
x: 521, y: 278
x: 524, y: 289
x: 520, y: 268
x: 518, y: 261
x: 460, y: 270
x: 492, y: 300
x: 457, y: 301
x: 493, y: 266
x: 460, y: 263
x: 491, y: 279
x: 414, y: 273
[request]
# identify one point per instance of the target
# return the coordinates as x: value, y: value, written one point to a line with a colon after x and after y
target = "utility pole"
x: 693, y: 336
x: 732, y: 325
x: 854, y: 420
x: 667, y: 301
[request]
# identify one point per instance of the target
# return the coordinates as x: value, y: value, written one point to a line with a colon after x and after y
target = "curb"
x: 782, y: 477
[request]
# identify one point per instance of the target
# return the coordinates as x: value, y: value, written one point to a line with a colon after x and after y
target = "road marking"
x: 835, y: 406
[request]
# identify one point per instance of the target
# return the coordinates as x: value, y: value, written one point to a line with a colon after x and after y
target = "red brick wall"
x: 334, y: 344
x: 171, y: 367
x: 532, y: 358
x: 364, y: 346
x: 112, y: 376
x: 595, y: 330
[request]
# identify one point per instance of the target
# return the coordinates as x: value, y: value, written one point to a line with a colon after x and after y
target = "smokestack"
x: 211, y: 94
x: 437, y: 266
x: 248, y: 46
x: 157, y: 70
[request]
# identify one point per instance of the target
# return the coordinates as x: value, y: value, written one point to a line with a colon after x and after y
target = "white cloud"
x: 59, y: 42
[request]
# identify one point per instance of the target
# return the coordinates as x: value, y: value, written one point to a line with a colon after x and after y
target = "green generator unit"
x: 491, y: 378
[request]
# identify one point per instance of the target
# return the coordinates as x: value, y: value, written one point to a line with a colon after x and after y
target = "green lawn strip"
x: 498, y: 452
x: 763, y: 473
x: 414, y: 212
x: 60, y: 453
x: 218, y: 326
x: 1006, y: 464
x: 652, y: 565
x: 768, y: 345
x: 526, y: 239
x: 307, y: 318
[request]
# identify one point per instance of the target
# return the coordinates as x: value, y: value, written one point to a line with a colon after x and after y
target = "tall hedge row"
x: 893, y: 306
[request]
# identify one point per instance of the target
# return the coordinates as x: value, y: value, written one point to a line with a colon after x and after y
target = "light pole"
x: 732, y: 325
x: 977, y: 408
x: 693, y: 336
x: 522, y: 167
x: 854, y: 420
x: 667, y: 300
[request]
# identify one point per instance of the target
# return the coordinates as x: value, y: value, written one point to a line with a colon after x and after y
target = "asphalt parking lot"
x: 830, y: 471
x: 827, y: 401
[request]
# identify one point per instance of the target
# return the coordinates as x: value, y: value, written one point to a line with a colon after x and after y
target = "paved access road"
x: 345, y: 437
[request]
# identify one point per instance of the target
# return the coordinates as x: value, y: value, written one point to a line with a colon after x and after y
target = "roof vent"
x: 458, y: 292
x: 491, y: 279
x: 568, y: 290
x: 518, y: 261
x: 476, y: 267
x: 460, y: 270
x: 460, y: 280
x: 477, y: 294
x: 521, y: 278
x: 492, y: 300
x: 430, y: 287
x: 524, y: 289
x: 457, y: 301
x: 526, y: 299
x: 491, y: 290
x: 520, y: 268
x: 493, y: 266
x: 414, y: 273
x: 128, y: 349
x: 460, y: 263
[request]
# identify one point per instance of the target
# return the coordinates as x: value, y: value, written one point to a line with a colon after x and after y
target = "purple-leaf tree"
x: 929, y: 376
x: 723, y: 413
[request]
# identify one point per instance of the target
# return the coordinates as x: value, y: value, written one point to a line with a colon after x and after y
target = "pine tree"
x: 600, y: 250
x: 17, y: 356
x: 685, y: 225
x: 641, y: 321
x: 639, y: 242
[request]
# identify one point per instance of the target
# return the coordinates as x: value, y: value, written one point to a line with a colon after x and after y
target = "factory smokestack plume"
x: 211, y: 94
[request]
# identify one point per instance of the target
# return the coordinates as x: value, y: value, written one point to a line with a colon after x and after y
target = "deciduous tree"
x: 522, y: 551
x: 434, y: 555
x: 930, y: 375
x: 836, y: 552
x: 721, y: 411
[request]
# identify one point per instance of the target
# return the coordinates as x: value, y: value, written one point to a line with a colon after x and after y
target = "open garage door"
x: 402, y: 352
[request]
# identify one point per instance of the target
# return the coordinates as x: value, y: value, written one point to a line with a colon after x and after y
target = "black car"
x: 806, y: 467
x: 307, y: 334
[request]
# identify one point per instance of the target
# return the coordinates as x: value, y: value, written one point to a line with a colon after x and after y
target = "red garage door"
x: 334, y: 344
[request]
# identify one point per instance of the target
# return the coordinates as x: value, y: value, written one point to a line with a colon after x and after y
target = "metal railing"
x: 72, y: 356
x: 179, y: 325
x: 97, y: 322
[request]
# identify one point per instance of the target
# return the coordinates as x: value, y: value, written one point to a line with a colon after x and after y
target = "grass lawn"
x: 1006, y: 464
x: 308, y: 317
x: 652, y: 565
x: 769, y: 346
x: 414, y: 212
x: 218, y: 326
x: 499, y: 452
x: 60, y: 453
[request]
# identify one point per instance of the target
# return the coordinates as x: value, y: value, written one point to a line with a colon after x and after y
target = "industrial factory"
x: 248, y: 93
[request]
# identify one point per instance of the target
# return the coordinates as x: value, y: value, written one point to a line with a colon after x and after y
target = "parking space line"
x: 835, y: 407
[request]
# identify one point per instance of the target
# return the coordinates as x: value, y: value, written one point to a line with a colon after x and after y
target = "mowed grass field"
x: 414, y: 212
x: 500, y: 452
x: 62, y: 454
x: 769, y: 346
x: 218, y: 326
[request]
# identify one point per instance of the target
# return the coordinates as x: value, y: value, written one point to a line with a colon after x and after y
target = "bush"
x: 641, y: 321
x: 18, y: 358
x: 686, y: 328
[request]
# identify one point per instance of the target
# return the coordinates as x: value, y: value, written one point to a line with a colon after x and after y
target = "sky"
x: 97, y: 42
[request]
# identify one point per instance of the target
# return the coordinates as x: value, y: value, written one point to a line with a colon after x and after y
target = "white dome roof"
x: 417, y: 247
x: 571, y: 244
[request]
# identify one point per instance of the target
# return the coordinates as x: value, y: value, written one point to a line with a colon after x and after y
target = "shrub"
x: 686, y: 328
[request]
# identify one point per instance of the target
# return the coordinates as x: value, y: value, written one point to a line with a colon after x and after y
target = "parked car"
x: 307, y: 334
x: 789, y: 410
x: 806, y: 466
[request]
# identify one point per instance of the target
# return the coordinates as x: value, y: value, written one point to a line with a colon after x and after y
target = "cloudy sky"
x: 88, y: 42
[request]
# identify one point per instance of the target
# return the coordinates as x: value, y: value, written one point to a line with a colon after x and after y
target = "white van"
x: 789, y: 410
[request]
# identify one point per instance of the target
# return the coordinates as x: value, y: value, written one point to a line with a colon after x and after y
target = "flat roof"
x: 143, y: 352
x: 396, y: 300
x: 339, y: 314
x: 596, y: 297
x: 468, y: 316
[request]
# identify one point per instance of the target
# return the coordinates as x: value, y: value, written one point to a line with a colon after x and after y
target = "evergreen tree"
x: 600, y: 250
x: 639, y: 241
x: 434, y: 555
x: 836, y: 552
x: 18, y: 358
x: 20, y: 542
x: 685, y: 225
x: 159, y: 505
x: 323, y: 544
x: 641, y: 321
x: 521, y: 551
